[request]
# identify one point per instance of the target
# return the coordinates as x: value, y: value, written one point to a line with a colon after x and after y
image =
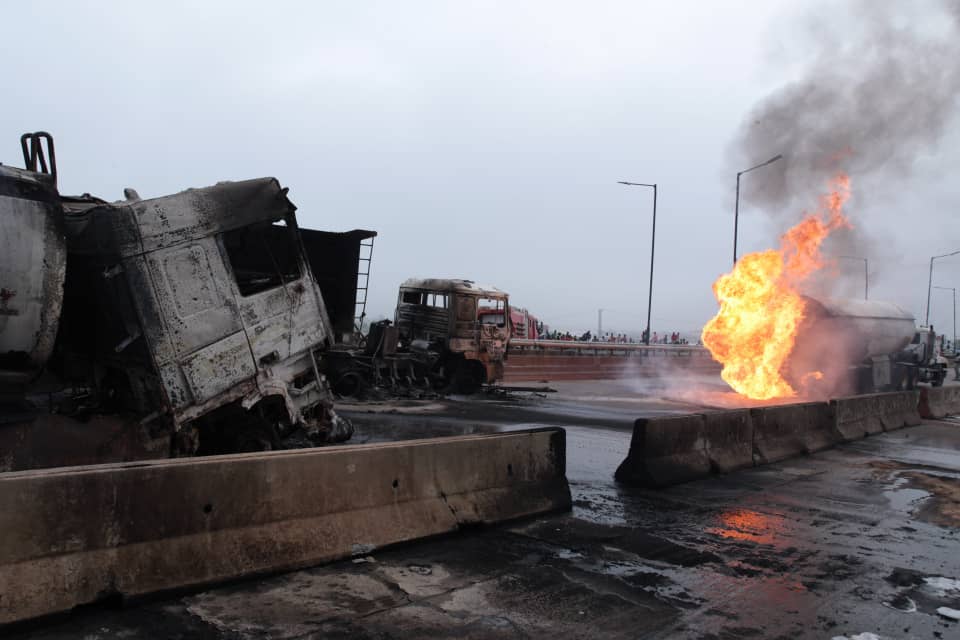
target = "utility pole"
x: 653, y: 246
x: 736, y: 206
x: 930, y: 279
x: 599, y: 323
x: 866, y: 273
x: 954, y: 290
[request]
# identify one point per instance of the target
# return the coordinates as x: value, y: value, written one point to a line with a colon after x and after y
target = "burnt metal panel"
x: 335, y: 261
x: 415, y: 321
x: 191, y: 292
x: 215, y: 369
x: 94, y: 227
x: 195, y: 213
x: 461, y: 285
x: 187, y: 272
x: 175, y: 385
x: 284, y: 321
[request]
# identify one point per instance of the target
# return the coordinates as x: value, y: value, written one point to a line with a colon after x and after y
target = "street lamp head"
x: 762, y: 164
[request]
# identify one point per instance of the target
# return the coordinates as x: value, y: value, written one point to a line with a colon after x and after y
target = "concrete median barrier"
x: 75, y: 535
x: 860, y: 416
x: 665, y: 451
x: 675, y: 449
x: 784, y: 431
x: 670, y: 450
x: 729, y: 439
x: 939, y: 402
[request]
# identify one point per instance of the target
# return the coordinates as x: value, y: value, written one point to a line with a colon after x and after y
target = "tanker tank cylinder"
x: 31, y: 298
x: 838, y: 336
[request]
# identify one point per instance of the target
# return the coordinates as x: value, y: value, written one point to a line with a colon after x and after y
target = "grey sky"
x: 480, y: 139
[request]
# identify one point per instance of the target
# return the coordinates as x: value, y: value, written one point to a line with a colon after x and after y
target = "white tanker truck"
x: 861, y: 346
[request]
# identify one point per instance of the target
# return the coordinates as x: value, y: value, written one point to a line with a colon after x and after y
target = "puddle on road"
x: 927, y: 493
x: 904, y: 499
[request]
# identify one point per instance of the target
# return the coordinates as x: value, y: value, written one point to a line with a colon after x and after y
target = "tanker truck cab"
x: 467, y: 324
x: 921, y: 355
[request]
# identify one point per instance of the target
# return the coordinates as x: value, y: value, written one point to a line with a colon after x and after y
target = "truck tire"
x: 469, y: 377
x: 350, y: 383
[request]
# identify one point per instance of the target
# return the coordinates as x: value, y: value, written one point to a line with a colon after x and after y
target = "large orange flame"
x: 753, y: 333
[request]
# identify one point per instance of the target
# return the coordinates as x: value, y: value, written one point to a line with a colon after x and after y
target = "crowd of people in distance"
x: 616, y: 338
x: 673, y: 338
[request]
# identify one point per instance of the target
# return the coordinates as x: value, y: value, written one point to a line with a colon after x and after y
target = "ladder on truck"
x: 363, y: 276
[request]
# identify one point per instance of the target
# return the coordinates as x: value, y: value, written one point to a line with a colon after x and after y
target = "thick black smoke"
x: 878, y: 92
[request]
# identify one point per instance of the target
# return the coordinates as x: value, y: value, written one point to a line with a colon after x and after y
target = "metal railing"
x: 568, y: 347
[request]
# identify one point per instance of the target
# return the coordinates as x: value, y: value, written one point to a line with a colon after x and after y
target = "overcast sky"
x: 481, y: 140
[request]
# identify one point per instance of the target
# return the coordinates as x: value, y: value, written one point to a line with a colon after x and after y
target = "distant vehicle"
x: 526, y: 326
x: 466, y: 324
x: 447, y: 335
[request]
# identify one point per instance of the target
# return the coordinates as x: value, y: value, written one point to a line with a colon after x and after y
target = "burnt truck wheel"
x: 349, y: 384
x: 469, y: 377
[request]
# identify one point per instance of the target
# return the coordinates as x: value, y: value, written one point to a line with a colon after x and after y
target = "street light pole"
x: 866, y: 273
x: 653, y: 245
x: 954, y: 289
x: 736, y: 206
x: 930, y: 279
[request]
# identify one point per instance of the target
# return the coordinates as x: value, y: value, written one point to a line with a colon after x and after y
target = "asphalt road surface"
x: 861, y: 539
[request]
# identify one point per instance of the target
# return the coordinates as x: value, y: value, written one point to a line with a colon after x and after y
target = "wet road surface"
x: 859, y: 539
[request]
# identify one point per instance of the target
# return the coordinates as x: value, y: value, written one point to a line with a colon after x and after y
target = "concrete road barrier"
x: 939, y: 402
x: 859, y: 416
x: 784, y: 431
x: 729, y: 439
x: 75, y: 535
x: 676, y: 449
x: 665, y: 451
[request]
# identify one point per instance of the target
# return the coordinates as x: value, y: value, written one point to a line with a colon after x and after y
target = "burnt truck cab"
x: 467, y: 323
x: 195, y: 318
x: 210, y: 294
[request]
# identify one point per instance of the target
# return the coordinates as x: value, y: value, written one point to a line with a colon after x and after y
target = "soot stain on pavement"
x: 588, y: 536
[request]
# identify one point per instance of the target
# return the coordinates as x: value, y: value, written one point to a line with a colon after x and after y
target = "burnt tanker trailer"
x: 848, y: 346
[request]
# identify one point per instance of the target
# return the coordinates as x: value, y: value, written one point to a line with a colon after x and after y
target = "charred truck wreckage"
x: 447, y: 335
x: 198, y: 323
x: 193, y: 318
